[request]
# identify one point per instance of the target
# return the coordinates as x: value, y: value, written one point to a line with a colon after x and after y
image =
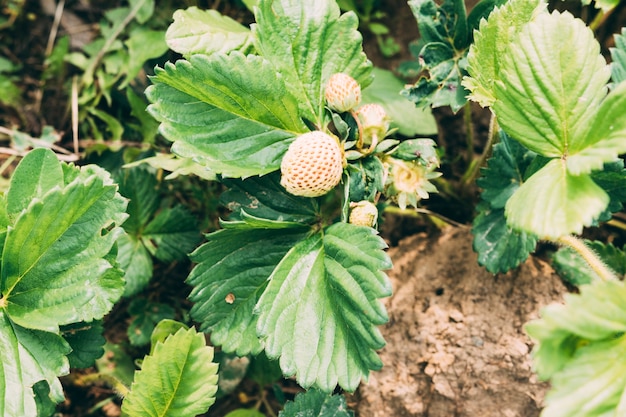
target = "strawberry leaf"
x: 316, y: 403
x: 252, y: 115
x: 612, y: 179
x: 86, y: 341
x: 178, y: 378
x: 232, y: 271
x: 308, y: 42
x: 320, y: 310
x: 544, y: 100
x: 575, y: 270
x: 196, y: 31
x: 581, y: 346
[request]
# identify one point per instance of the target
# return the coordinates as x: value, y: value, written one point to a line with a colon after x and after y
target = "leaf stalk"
x: 596, y: 264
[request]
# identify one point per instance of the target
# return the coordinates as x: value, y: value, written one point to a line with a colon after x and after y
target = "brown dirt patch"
x: 455, y: 340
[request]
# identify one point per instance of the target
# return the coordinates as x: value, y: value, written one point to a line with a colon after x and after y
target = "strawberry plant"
x: 555, y: 171
x: 274, y: 112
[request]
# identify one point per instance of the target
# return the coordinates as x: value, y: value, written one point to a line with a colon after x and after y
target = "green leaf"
x: 481, y: 11
x: 499, y: 247
x: 56, y: 262
x: 253, y: 116
x: 86, y: 341
x: 233, y: 267
x: 172, y: 234
x: 575, y: 270
x: 135, y: 260
x: 148, y: 127
x: 176, y: 165
x: 143, y: 45
x: 618, y: 56
x: 28, y: 356
x: 178, y: 379
x: 606, y: 135
x: 490, y: 44
x: 38, y: 172
x: 264, y: 197
x: 145, y: 9
x: 410, y: 120
x: 366, y: 178
x: 544, y: 100
x: 140, y: 187
x: 581, y: 346
x: 117, y: 364
x: 264, y: 371
x: 565, y: 203
x: 163, y: 329
x: 232, y: 371
x: 245, y: 412
x: 612, y: 179
x: 316, y: 403
x: 320, y: 310
x: 308, y: 42
x: 196, y: 31
x: 144, y: 317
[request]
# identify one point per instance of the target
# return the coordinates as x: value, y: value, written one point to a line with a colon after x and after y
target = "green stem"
x: 474, y: 170
x: 589, y: 256
x: 469, y: 130
x: 121, y: 389
x: 600, y: 18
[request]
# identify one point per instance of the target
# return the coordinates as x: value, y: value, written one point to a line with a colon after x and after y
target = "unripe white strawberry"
x: 363, y: 213
x: 342, y: 93
x: 312, y: 166
x: 374, y: 121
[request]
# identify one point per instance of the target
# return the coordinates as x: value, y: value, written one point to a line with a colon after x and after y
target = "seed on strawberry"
x: 363, y: 213
x: 374, y: 122
x: 312, y: 166
x: 342, y: 93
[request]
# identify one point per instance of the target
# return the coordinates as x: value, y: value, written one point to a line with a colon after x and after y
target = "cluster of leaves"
x: 446, y: 33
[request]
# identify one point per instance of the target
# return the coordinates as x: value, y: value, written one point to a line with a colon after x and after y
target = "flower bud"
x: 363, y: 213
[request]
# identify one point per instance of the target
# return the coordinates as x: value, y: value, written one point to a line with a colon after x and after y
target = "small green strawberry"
x: 363, y: 213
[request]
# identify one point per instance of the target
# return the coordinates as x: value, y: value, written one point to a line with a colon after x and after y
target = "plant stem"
x: 469, y: 130
x: 121, y: 389
x: 474, y: 170
x: 589, y: 256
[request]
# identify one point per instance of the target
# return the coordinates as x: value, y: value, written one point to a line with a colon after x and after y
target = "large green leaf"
x: 308, y: 42
x: 196, y: 31
x: 490, y: 43
x: 178, y: 379
x: 56, y: 266
x: 545, y: 100
x: 231, y: 113
x: 316, y: 403
x: 581, y: 346
x: 28, y: 356
x: 553, y: 202
x: 320, y: 309
x: 618, y: 56
x: 232, y: 272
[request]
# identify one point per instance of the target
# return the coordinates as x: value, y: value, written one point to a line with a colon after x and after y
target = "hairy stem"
x: 589, y: 256
x: 474, y: 169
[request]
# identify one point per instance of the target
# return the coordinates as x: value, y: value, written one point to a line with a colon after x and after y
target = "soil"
x: 455, y: 340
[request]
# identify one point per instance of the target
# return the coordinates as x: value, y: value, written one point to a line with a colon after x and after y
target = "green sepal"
x: 320, y: 309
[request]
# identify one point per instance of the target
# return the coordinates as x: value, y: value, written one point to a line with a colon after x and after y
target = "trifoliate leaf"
x: 196, y: 31
x: 308, y: 42
x: 605, y: 138
x: 618, y: 56
x: 144, y: 317
x: 86, y: 341
x: 320, y: 309
x: 136, y: 262
x: 409, y: 119
x: 544, y: 100
x: 316, y: 403
x: 491, y: 42
x: 178, y: 379
x: 581, y: 347
x: 56, y: 264
x: 232, y: 272
x: 575, y: 270
x: 172, y: 234
x: 264, y: 197
x: 253, y: 117
x: 28, y: 356
x: 553, y: 203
